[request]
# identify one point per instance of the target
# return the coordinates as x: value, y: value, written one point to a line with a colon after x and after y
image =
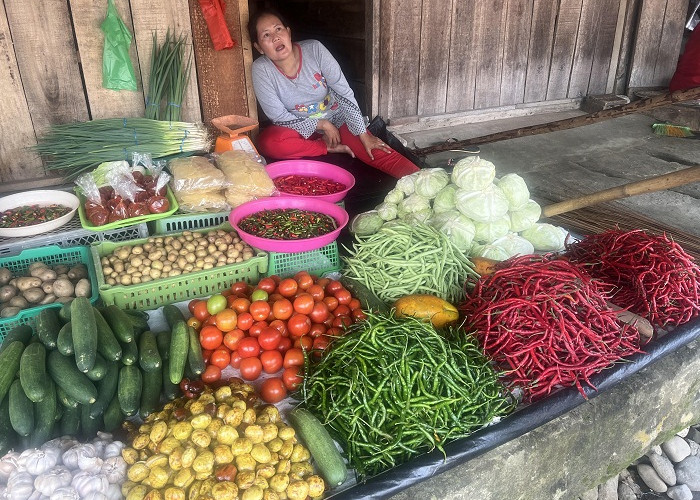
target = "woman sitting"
x: 303, y: 91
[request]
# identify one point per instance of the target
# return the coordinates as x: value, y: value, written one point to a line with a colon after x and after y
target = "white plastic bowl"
x: 38, y: 197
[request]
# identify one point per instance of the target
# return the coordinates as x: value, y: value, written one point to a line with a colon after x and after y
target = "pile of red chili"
x: 287, y: 224
x: 652, y: 275
x: 307, y: 185
x: 547, y: 323
x: 29, y: 215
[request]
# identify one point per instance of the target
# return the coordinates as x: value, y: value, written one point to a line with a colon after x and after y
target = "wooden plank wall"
x: 51, y: 70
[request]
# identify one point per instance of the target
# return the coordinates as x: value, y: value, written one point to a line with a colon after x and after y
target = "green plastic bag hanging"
x: 117, y: 71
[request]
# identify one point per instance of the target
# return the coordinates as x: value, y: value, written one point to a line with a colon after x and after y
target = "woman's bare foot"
x: 341, y: 148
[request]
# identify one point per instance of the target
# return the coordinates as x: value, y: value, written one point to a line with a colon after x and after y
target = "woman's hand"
x: 371, y: 142
x: 331, y: 135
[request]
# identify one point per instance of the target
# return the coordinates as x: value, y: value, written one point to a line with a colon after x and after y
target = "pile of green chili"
x: 287, y: 224
x: 393, y: 388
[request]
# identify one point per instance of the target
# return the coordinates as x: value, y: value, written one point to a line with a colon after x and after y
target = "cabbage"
x: 487, y: 232
x: 407, y: 184
x: 387, y: 211
x: 473, y: 174
x: 525, y: 217
x: 545, y: 237
x: 366, y: 223
x: 515, y: 189
x: 489, y: 251
x: 487, y: 205
x: 456, y: 226
x: 445, y: 199
x: 514, y: 245
x: 419, y: 216
x: 413, y: 203
x: 430, y: 181
x: 394, y: 196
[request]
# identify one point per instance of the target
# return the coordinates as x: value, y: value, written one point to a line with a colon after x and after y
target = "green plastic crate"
x: 156, y: 293
x: 189, y: 222
x: 319, y: 262
x: 51, y: 256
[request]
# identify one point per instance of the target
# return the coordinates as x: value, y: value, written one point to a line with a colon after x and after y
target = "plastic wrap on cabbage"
x: 515, y: 189
x: 487, y: 205
x: 487, y: 232
x: 445, y: 200
x: 514, y: 245
x: 430, y: 181
x: 459, y: 229
x: 366, y: 223
x: 394, y: 196
x: 525, y: 217
x: 489, y: 251
x: 473, y: 174
x: 407, y: 184
x: 387, y: 211
x: 413, y: 203
x: 545, y: 237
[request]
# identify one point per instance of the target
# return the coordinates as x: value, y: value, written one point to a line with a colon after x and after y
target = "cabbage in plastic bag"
x: 473, y: 174
x: 514, y: 245
x: 387, y: 211
x: 445, y: 200
x: 430, y: 181
x: 515, y: 189
x: 489, y: 251
x: 487, y: 232
x: 394, y: 196
x: 456, y: 226
x: 366, y: 223
x: 545, y: 237
x: 487, y: 205
x: 407, y: 183
x: 525, y: 217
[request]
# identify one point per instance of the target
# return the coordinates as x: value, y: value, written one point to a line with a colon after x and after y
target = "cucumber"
x: 130, y: 353
x: 47, y: 327
x: 163, y: 340
x: 45, y: 416
x: 149, y: 358
x: 150, y: 395
x: 179, y: 347
x: 194, y: 356
x: 106, y: 389
x: 64, y: 372
x: 320, y: 444
x: 32, y: 372
x: 65, y: 399
x: 139, y: 323
x: 172, y: 315
x: 113, y: 416
x: 368, y: 299
x: 64, y: 343
x: 64, y: 311
x: 84, y: 330
x: 99, y: 369
x: 9, y: 365
x: 70, y: 421
x: 107, y: 344
x: 8, y: 437
x: 170, y: 390
x: 120, y: 323
x: 23, y: 333
x: 21, y: 410
x: 88, y: 425
x: 129, y: 389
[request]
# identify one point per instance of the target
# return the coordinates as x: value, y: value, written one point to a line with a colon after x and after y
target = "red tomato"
x: 260, y: 309
x: 354, y: 304
x: 320, y: 312
x: 304, y: 280
x: 240, y: 287
x: 226, y: 320
x: 358, y: 315
x: 245, y: 321
x: 304, y: 303
x: 321, y: 343
x: 342, y: 321
x: 282, y: 309
x: 232, y: 338
x: 333, y: 286
x: 316, y: 292
x: 240, y: 305
x: 221, y: 357
x: 206, y: 354
x: 194, y: 323
x: 250, y: 368
x: 281, y: 326
x: 191, y: 305
x: 267, y: 284
x: 322, y: 282
x: 329, y: 321
x: 275, y: 278
x: 248, y: 347
x: 317, y: 329
x: 344, y: 297
x: 235, y: 360
x: 293, y: 357
x: 304, y: 342
x: 287, y: 287
x: 200, y: 311
x: 291, y: 377
x: 299, y: 325
x: 271, y: 316
x: 334, y: 332
x: 210, y: 321
x: 269, y: 338
x: 331, y: 302
x: 274, y: 297
x: 272, y: 390
x: 210, y: 337
x: 342, y: 310
x: 257, y: 327
x: 212, y: 373
x: 284, y: 345
x: 271, y: 361
x: 226, y: 293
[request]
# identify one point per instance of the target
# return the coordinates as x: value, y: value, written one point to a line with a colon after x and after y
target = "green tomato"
x: 258, y: 294
x: 216, y: 303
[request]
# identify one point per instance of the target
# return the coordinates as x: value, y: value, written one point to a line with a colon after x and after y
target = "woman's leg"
x: 392, y: 163
x: 283, y: 143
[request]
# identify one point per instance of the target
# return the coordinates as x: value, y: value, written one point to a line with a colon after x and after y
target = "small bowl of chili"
x: 288, y: 224
x: 310, y: 179
x: 35, y: 212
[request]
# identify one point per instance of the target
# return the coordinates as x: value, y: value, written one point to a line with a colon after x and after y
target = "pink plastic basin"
x: 313, y: 168
x: 289, y: 246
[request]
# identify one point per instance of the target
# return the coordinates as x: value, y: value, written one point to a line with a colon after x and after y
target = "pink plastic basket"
x: 289, y: 246
x: 313, y: 168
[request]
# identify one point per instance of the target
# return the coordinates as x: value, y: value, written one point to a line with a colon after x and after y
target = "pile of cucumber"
x: 87, y: 369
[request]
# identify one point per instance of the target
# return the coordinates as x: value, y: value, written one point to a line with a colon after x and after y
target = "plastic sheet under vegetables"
x: 402, y: 259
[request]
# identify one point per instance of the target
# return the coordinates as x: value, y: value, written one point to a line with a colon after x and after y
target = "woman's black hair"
x: 253, y: 21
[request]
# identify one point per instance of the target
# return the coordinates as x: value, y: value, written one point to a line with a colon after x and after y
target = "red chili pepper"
x: 308, y: 185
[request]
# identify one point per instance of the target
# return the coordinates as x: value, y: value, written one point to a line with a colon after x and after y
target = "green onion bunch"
x: 168, y: 78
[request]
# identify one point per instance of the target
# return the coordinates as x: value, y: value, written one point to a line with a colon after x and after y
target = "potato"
x: 36, y: 265
x: 18, y: 301
x: 7, y: 292
x: 8, y: 312
x: 34, y: 295
x: 26, y: 282
x: 47, y: 286
x: 49, y: 298
x: 5, y: 276
x: 83, y: 288
x: 78, y: 272
x: 63, y: 288
x: 43, y: 273
x: 61, y: 269
x: 63, y: 300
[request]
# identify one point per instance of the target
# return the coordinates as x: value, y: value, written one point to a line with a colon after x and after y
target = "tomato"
x: 358, y: 315
x: 304, y: 280
x: 284, y: 345
x: 271, y: 361
x: 321, y: 343
x: 291, y: 377
x: 304, y: 303
x: 226, y: 320
x: 342, y: 310
x: 322, y: 282
x: 299, y: 325
x: 269, y: 338
x: 194, y: 323
x: 245, y: 321
x: 216, y: 303
x: 248, y: 347
x: 221, y: 357
x: 344, y: 297
x: 210, y: 321
x: 239, y: 287
x: 206, y: 354
x: 258, y: 294
x: 304, y: 342
x: 257, y: 327
x: 331, y: 302
x: 274, y: 297
x: 281, y: 326
x: 316, y: 292
x: 250, y: 368
x: 235, y: 360
x: 212, y: 373
x: 287, y: 287
x: 259, y: 309
x: 267, y: 284
x: 329, y: 321
x: 293, y: 357
x: 240, y: 305
x: 342, y: 321
x: 191, y: 305
x: 270, y: 315
x: 272, y: 390
x: 232, y: 338
x: 334, y: 331
x: 333, y: 286
x: 319, y: 313
x: 210, y: 337
x: 282, y: 309
x: 275, y: 278
x: 354, y: 304
x: 226, y: 293
x: 200, y: 311
x: 317, y: 329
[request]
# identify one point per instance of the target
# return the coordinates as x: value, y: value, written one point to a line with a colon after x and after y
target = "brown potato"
x: 83, y: 288
x: 34, y: 295
x: 7, y: 292
x: 26, y: 282
x: 5, y: 276
x: 63, y: 288
x: 8, y: 312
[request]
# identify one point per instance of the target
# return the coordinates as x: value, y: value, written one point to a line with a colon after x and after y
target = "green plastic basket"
x: 183, y: 222
x: 51, y: 256
x: 319, y: 262
x: 160, y: 292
